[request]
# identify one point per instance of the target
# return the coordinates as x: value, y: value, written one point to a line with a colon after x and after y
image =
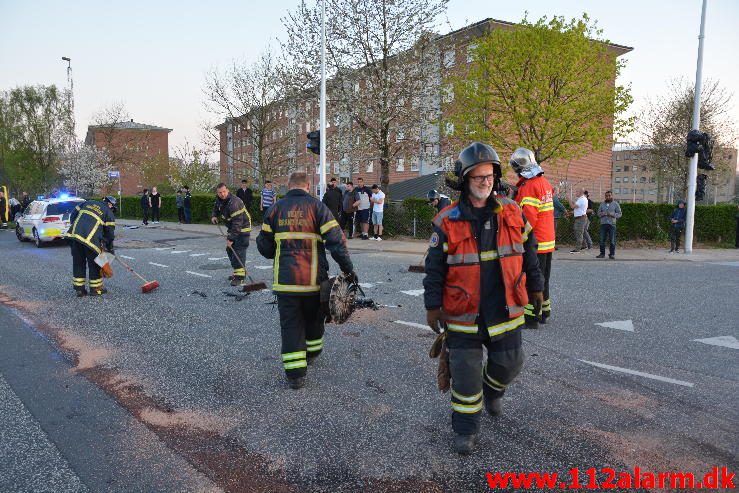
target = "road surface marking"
x: 197, y: 254
x: 413, y: 324
x: 639, y: 373
x: 217, y: 258
x: 723, y: 341
x: 263, y: 267
x: 159, y: 249
x: 180, y: 251
x: 197, y: 273
x: 414, y: 292
x: 158, y: 265
x: 365, y: 285
x: 626, y: 325
x: 126, y: 257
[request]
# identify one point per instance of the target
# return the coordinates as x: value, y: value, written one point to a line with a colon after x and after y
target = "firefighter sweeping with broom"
x: 232, y: 211
x: 481, y: 270
x: 296, y: 233
x: 92, y: 230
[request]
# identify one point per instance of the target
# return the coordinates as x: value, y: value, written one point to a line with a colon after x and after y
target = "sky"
x: 152, y: 56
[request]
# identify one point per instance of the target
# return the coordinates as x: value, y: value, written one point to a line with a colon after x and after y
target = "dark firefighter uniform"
x: 296, y: 233
x: 238, y: 221
x: 535, y: 196
x: 480, y: 265
x: 92, y: 229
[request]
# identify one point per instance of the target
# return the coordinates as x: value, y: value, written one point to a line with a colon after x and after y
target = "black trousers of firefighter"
x: 83, y: 259
x: 301, y: 325
x: 545, y: 264
x: 471, y: 381
x: 241, y: 243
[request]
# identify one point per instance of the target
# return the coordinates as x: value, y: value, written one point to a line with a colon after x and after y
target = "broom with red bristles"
x: 148, y: 286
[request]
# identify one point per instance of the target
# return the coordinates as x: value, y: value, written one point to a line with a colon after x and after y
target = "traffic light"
x: 700, y: 143
x: 700, y: 186
x: 314, y: 142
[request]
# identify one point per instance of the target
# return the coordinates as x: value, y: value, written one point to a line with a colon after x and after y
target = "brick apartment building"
x: 633, y: 179
x: 130, y: 145
x: 295, y: 119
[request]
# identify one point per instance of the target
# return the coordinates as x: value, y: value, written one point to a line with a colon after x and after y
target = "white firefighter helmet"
x: 524, y: 163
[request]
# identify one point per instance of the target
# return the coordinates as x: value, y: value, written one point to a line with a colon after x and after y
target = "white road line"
x: 639, y: 373
x: 197, y: 254
x: 263, y: 267
x: 197, y: 273
x: 365, y: 285
x: 626, y: 325
x: 158, y: 265
x: 180, y: 251
x: 413, y: 324
x: 126, y: 257
x: 217, y: 258
x: 159, y: 249
x: 413, y: 292
x: 723, y: 341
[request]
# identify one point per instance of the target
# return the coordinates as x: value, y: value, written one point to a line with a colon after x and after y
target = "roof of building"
x: 415, y: 187
x: 131, y: 125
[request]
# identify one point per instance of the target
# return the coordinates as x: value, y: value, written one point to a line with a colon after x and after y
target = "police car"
x: 46, y: 220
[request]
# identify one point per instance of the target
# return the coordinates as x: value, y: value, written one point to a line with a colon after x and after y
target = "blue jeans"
x: 610, y: 231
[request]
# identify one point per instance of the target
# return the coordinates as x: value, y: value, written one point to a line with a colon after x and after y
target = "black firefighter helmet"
x: 472, y: 155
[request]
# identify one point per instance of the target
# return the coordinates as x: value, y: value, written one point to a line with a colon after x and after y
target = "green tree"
x: 191, y: 167
x: 548, y: 86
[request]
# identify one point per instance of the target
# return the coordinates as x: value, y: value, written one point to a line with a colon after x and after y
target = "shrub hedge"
x: 713, y: 223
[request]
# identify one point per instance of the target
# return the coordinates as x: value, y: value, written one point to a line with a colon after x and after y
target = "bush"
x: 202, y: 208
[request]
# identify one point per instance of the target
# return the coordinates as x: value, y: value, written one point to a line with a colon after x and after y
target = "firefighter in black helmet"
x: 437, y: 199
x: 92, y: 230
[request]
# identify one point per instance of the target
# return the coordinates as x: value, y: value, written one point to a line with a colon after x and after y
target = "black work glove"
x: 536, y: 298
x: 435, y: 320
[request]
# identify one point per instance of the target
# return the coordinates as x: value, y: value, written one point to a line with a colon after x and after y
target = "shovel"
x: 148, y: 286
x: 419, y: 267
x: 253, y: 285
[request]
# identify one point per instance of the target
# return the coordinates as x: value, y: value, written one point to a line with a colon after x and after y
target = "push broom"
x: 419, y: 267
x: 148, y: 286
x: 253, y: 285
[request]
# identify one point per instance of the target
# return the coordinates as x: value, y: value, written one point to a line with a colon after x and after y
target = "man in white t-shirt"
x: 378, y: 204
x: 581, y: 219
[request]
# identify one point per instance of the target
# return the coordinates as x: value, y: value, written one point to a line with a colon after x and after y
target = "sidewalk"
x: 418, y: 247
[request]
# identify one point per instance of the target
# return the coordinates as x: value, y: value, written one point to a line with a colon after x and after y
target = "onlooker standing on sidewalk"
x: 268, y: 196
x: 25, y: 200
x: 363, y: 207
x: 187, y: 204
x: 581, y: 219
x: 348, y: 209
x: 333, y: 198
x: 4, y: 210
x: 245, y: 194
x: 378, y: 208
x: 560, y: 211
x: 180, y: 203
x: 587, y: 241
x: 608, y: 212
x: 677, y: 225
x: 155, y: 201
x: 145, y: 205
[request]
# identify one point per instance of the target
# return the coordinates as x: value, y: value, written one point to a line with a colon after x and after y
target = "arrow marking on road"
x: 723, y: 341
x: 626, y: 325
x: 197, y: 273
x: 413, y: 324
x: 158, y: 265
x: 126, y: 257
x: 413, y: 292
x: 639, y: 373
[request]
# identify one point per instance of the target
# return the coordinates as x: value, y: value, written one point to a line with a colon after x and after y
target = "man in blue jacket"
x: 677, y: 225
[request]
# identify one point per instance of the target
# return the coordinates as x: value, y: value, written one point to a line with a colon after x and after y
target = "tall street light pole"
x: 322, y: 166
x: 70, y: 100
x: 693, y: 165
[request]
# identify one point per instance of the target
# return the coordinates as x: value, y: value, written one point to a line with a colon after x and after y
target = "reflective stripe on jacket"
x: 92, y: 223
x: 485, y: 279
x: 535, y: 196
x: 296, y: 232
x: 233, y: 212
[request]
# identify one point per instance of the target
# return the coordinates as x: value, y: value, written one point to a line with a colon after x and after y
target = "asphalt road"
x: 200, y: 371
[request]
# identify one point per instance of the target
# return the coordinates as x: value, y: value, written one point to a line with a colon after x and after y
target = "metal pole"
x: 693, y: 166
x: 323, y: 101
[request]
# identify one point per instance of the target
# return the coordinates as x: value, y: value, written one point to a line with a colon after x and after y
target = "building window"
x: 616, y: 190
x: 618, y: 157
x: 617, y: 180
x: 626, y: 168
x: 400, y: 166
x: 428, y: 149
x: 625, y: 190
x: 449, y: 58
x: 643, y: 179
x: 470, y: 49
x: 415, y: 164
x: 635, y: 169
x: 618, y: 169
x: 652, y: 180
x: 370, y: 166
x: 399, y: 135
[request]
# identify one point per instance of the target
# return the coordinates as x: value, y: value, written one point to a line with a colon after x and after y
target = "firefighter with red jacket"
x: 535, y: 196
x: 481, y: 270
x: 296, y: 233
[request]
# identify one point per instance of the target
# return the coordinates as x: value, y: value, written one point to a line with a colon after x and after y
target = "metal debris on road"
x: 200, y: 293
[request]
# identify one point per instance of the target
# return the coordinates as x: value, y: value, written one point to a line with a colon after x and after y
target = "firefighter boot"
x: 296, y: 383
x: 237, y: 281
x: 99, y: 291
x: 464, y: 444
x: 531, y: 322
x: 81, y: 291
x: 494, y: 406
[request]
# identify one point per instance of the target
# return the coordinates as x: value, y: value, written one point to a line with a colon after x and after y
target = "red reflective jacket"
x: 535, y: 196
